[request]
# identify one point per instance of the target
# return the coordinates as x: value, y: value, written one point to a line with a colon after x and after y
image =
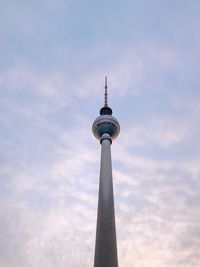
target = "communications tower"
x: 106, y: 128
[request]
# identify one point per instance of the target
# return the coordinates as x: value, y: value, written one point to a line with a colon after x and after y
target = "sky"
x: 54, y: 57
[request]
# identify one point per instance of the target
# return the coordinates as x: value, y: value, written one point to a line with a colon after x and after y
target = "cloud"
x: 161, y: 132
x: 52, y: 183
x: 48, y: 208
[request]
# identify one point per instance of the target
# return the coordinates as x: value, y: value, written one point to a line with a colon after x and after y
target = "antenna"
x: 106, y: 93
x: 106, y: 110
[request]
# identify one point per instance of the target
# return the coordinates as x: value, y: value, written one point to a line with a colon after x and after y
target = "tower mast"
x: 106, y: 128
x: 106, y: 93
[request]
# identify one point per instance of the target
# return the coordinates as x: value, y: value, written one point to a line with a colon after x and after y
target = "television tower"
x: 106, y: 128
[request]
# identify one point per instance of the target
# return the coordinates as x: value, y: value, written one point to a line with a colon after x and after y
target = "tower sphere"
x: 106, y: 124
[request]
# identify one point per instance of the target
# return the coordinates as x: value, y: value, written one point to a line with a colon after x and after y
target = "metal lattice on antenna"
x: 106, y: 93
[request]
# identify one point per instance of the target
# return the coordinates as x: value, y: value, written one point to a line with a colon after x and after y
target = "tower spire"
x: 106, y: 93
x: 106, y: 110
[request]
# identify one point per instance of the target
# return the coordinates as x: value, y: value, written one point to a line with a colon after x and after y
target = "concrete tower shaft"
x: 106, y: 244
